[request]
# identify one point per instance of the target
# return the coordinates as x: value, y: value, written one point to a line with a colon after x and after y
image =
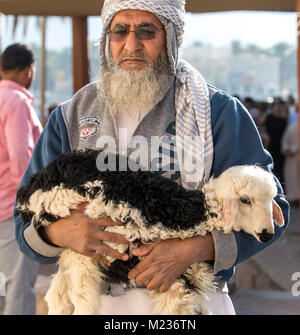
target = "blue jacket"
x: 236, y: 142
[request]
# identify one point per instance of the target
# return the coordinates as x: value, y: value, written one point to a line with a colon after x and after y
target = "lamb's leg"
x: 178, y: 300
x: 200, y: 275
x: 57, y: 296
x: 76, y: 287
x: 87, y: 284
x: 181, y: 300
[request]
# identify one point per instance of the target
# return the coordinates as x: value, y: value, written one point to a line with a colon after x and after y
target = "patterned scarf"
x: 194, y: 141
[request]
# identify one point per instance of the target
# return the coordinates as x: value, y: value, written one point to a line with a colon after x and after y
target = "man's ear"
x: 277, y: 214
x: 229, y: 214
x: 29, y: 70
x: 26, y: 75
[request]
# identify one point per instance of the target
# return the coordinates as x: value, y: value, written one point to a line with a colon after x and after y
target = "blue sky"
x: 219, y: 29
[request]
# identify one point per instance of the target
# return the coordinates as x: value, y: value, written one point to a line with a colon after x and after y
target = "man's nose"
x: 132, y: 43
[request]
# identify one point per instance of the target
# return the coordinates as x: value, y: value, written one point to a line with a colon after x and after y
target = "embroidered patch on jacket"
x: 88, y: 126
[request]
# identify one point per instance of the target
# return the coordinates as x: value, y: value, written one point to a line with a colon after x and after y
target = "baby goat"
x: 152, y: 208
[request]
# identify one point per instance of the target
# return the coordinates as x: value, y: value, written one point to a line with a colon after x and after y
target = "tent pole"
x: 43, y: 69
x: 80, y: 52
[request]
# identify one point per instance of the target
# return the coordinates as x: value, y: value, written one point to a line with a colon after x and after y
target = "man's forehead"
x: 135, y: 17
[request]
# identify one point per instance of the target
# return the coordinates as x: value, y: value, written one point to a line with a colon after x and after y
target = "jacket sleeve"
x: 237, y: 142
x: 52, y: 143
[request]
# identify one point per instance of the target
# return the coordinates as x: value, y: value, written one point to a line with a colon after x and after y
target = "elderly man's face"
x: 133, y: 54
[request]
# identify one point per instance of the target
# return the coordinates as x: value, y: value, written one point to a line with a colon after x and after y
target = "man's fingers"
x: 98, y: 257
x: 164, y: 287
x: 138, y: 269
x: 103, y: 249
x: 144, y: 277
x: 112, y: 237
x: 152, y: 280
x: 107, y: 222
x: 143, y: 250
x: 155, y: 283
x: 144, y: 264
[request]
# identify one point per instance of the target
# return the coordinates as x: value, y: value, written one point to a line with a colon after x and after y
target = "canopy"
x: 93, y: 7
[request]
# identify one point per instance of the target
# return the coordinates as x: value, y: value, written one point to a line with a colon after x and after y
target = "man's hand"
x: 167, y: 260
x: 84, y: 235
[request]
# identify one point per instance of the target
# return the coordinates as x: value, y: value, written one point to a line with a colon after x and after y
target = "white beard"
x: 135, y: 92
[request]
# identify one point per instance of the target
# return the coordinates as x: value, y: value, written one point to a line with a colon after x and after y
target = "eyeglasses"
x: 142, y: 34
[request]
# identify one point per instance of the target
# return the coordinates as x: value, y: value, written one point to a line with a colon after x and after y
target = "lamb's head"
x: 246, y: 194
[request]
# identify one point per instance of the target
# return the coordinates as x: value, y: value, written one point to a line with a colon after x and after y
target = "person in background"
x: 252, y: 108
x: 289, y: 148
x: 293, y: 109
x: 275, y: 124
x: 292, y: 105
x: 20, y: 130
x: 264, y: 108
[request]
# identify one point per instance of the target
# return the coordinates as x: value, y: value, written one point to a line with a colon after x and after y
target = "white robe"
x: 137, y: 302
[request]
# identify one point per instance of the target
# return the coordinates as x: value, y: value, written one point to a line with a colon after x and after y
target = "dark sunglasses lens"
x: 118, y: 36
x: 145, y: 35
x: 141, y: 34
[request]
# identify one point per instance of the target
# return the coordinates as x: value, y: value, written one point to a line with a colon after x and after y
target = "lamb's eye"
x: 245, y: 200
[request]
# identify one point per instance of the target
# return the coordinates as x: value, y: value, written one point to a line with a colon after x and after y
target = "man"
x: 20, y: 130
x: 289, y: 149
x: 145, y: 90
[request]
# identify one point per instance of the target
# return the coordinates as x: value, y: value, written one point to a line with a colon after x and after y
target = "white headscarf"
x: 192, y: 104
x: 169, y: 12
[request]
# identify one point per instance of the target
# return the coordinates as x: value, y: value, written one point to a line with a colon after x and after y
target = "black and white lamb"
x: 152, y: 208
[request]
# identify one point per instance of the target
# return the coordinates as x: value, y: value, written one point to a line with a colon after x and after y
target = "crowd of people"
x: 277, y: 124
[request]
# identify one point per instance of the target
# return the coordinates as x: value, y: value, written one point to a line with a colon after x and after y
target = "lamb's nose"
x: 264, y: 236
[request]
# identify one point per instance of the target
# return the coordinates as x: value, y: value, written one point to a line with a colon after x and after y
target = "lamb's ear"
x: 229, y: 214
x: 277, y: 214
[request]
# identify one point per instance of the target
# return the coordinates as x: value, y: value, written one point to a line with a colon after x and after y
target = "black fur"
x: 157, y: 198
x: 118, y: 271
x: 49, y: 217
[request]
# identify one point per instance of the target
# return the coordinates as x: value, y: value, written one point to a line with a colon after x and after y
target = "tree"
x: 281, y: 48
x: 236, y: 47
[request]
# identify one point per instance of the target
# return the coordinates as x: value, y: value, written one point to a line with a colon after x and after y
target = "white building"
x: 243, y: 74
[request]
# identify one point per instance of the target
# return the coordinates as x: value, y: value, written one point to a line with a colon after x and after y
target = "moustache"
x: 138, y: 55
